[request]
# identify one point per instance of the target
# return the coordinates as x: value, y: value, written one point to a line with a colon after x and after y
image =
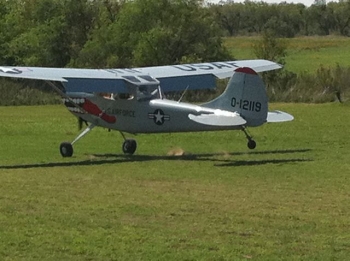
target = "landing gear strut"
x: 251, y: 143
x: 66, y: 148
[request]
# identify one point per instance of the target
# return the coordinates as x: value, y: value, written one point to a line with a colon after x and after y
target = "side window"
x: 147, y: 92
x: 124, y: 96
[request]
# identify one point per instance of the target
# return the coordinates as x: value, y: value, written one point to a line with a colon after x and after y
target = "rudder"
x: 245, y: 94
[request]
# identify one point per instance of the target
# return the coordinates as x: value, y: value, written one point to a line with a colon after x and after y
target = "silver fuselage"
x: 146, y: 116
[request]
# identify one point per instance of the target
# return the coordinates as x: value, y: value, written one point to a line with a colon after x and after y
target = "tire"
x: 66, y: 149
x: 251, y: 144
x: 129, y: 146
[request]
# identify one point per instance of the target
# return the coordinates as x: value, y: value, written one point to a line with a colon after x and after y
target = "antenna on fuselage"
x: 183, y: 94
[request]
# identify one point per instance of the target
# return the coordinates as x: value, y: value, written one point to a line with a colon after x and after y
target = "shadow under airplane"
x: 101, y: 159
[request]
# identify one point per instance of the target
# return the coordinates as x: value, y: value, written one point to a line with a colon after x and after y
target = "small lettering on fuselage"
x: 246, y: 105
x: 205, y: 66
x: 121, y: 112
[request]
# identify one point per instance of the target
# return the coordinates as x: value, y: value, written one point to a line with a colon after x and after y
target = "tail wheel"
x: 129, y: 146
x: 251, y: 144
x: 66, y: 149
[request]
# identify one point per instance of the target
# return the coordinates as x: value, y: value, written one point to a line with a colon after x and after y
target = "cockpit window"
x: 146, y: 92
x: 124, y: 96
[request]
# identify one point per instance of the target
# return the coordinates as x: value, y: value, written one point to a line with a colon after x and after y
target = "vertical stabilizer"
x: 244, y: 94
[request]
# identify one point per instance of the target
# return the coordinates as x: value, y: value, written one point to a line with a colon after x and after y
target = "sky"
x: 305, y: 2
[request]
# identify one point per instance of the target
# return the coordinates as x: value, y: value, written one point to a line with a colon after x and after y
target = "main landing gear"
x: 251, y: 143
x: 129, y: 145
x: 66, y: 148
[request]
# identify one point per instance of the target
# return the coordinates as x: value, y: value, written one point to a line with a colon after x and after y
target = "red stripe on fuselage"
x: 93, y: 109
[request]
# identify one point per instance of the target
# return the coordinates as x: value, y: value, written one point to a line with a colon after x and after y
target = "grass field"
x: 286, y: 200
x: 304, y: 54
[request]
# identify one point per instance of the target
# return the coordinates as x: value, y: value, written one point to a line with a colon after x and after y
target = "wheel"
x: 129, y: 146
x: 251, y: 144
x: 66, y: 149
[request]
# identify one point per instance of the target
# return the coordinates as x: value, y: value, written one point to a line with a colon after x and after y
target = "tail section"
x: 246, y: 95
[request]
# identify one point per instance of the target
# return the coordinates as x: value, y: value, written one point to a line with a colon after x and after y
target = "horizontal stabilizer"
x: 278, y: 116
x: 219, y: 118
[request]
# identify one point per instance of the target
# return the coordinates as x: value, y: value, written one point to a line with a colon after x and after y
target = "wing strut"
x: 60, y: 92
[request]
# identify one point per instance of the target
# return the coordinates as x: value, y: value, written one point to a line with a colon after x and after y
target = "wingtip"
x: 246, y: 70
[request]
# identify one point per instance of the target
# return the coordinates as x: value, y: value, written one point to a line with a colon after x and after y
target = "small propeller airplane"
x: 133, y: 100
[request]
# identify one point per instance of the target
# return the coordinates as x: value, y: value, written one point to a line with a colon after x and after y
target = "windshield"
x: 147, y: 92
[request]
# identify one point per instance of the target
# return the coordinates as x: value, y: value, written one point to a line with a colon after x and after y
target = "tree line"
x: 130, y: 33
x: 284, y: 19
x: 107, y: 33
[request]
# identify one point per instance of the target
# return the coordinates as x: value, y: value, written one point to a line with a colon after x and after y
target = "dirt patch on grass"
x: 176, y: 152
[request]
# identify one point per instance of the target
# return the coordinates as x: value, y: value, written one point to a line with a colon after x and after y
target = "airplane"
x: 133, y: 100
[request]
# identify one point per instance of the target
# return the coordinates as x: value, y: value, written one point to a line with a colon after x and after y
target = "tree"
x: 143, y: 36
x: 319, y: 19
x: 35, y: 33
x: 271, y: 48
x: 341, y: 13
x: 229, y: 16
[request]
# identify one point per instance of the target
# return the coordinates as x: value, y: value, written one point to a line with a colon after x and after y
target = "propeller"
x: 80, y: 123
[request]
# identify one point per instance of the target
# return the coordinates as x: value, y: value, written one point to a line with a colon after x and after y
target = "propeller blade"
x: 80, y: 123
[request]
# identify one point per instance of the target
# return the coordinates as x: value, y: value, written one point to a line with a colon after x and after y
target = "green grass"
x: 287, y: 200
x: 304, y: 54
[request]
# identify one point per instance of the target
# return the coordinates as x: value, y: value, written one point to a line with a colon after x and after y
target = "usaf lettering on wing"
x: 205, y: 66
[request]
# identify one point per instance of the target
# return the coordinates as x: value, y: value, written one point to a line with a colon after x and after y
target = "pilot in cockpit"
x: 124, y: 96
x: 147, y: 92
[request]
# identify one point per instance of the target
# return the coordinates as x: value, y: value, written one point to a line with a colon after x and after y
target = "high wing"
x: 170, y: 77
